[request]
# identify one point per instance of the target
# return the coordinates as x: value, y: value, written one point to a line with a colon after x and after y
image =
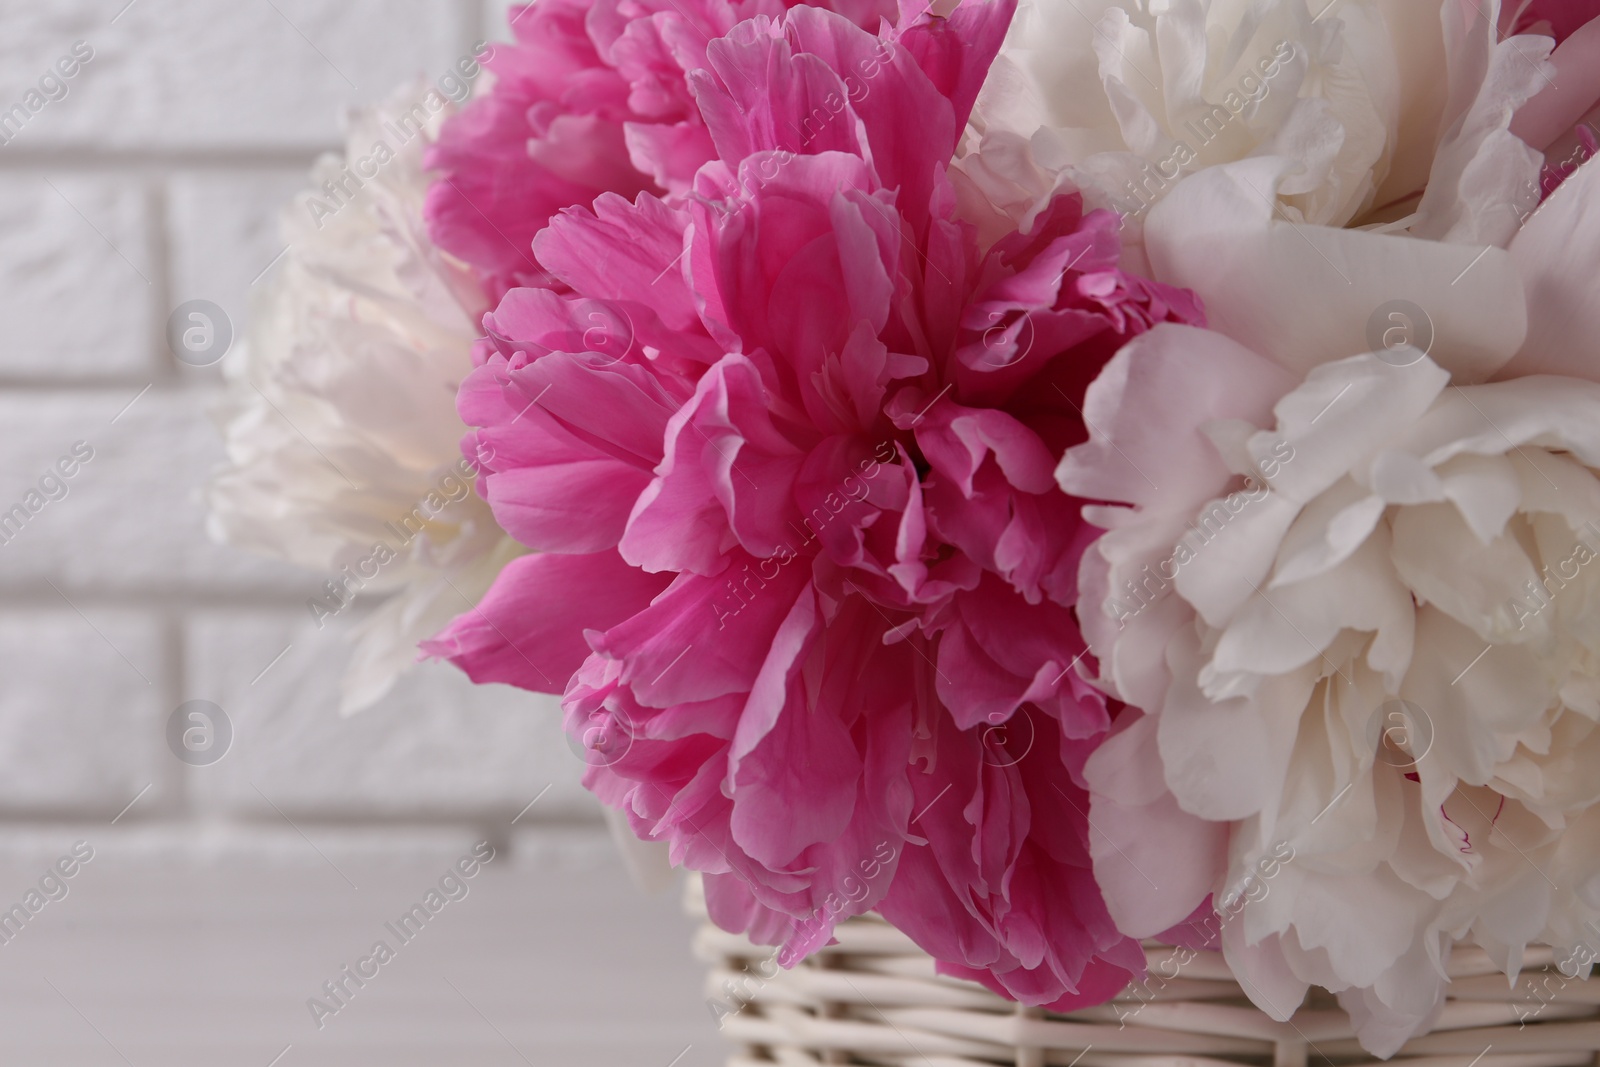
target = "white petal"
x: 1364, y: 921
x: 1446, y: 565
x: 1227, y: 552
x: 1481, y: 167
x: 1383, y: 1028
x: 1125, y: 617
x: 1557, y: 253
x: 1151, y: 400
x: 1556, y: 485
x: 357, y: 344
x: 1342, y: 415
x: 1215, y: 233
x: 1398, y: 477
x: 1416, y: 860
x: 1231, y: 439
x: 1474, y: 726
x: 1293, y: 626
x: 1326, y: 532
x: 1263, y: 973
x: 1561, y: 413
x: 1226, y: 759
x: 1155, y: 862
x: 1485, y: 490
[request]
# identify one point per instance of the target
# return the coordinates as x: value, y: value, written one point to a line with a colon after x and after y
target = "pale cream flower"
x: 1366, y: 100
x: 1355, y: 590
x: 342, y: 435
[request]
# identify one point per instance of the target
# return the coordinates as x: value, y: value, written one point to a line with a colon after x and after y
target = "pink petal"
x: 777, y: 812
x: 528, y: 630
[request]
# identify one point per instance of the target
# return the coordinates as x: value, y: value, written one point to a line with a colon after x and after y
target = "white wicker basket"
x: 873, y: 998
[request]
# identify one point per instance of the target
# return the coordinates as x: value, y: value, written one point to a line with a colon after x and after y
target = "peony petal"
x: 1555, y: 254
x: 1480, y: 168
x: 1333, y: 423
x: 1326, y: 532
x: 1155, y: 862
x: 528, y: 631
x: 1293, y: 626
x: 731, y: 905
x: 777, y: 813
x: 1263, y: 973
x: 1225, y: 759
x: 722, y: 480
x: 1215, y: 234
x: 696, y: 613
x: 622, y: 250
x: 1485, y: 490
x: 1225, y: 556
x: 1571, y: 93
x: 1171, y: 379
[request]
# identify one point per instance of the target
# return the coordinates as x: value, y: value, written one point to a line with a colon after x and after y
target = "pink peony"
x: 786, y: 452
x: 1559, y: 18
x: 591, y: 97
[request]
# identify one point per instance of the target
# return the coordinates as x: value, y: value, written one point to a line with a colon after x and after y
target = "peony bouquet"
x: 1053, y: 473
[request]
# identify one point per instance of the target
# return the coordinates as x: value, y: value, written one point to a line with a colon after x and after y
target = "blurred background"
x: 177, y: 912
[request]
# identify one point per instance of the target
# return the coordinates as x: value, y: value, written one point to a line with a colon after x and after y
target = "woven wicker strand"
x: 873, y: 998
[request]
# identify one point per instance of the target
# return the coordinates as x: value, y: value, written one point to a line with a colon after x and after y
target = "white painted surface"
x: 206, y: 951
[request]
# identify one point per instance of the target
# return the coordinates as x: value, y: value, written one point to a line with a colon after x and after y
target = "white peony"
x: 1355, y: 590
x: 342, y: 435
x: 1367, y: 101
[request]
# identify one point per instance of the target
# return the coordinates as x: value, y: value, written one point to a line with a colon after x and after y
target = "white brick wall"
x: 218, y: 899
x: 157, y: 180
x: 434, y: 747
x: 74, y: 309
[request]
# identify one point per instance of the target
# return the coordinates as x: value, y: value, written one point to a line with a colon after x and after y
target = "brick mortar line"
x: 138, y: 161
x: 104, y: 598
x: 110, y: 386
x: 489, y: 818
x: 158, y: 247
x: 173, y: 792
x: 470, y: 21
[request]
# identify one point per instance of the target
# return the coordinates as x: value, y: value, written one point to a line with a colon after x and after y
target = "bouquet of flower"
x: 1052, y: 473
